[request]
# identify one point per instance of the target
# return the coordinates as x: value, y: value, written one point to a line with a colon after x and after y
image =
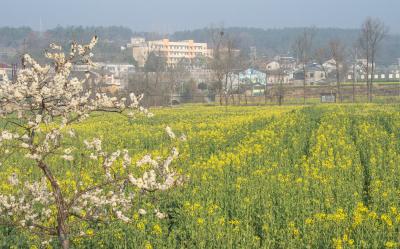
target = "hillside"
x: 280, y: 41
x: 270, y: 42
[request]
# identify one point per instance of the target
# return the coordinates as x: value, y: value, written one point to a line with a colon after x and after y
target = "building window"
x: 383, y: 76
x: 390, y: 76
x: 397, y: 76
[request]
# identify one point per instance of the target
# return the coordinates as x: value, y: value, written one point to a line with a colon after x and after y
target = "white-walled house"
x: 314, y: 74
x: 272, y: 66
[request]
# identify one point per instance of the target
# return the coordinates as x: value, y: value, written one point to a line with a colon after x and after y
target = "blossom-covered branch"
x: 39, y: 108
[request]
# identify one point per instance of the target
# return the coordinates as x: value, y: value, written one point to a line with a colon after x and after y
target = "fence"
x: 286, y: 94
x: 277, y: 94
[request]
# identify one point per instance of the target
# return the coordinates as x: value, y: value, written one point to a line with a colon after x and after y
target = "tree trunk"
x: 61, y: 207
x: 265, y: 94
x: 368, y: 85
x: 304, y: 84
x: 220, y: 97
x: 280, y: 93
x: 338, y: 83
x: 226, y: 90
x: 354, y: 84
x: 63, y: 237
x: 372, y: 77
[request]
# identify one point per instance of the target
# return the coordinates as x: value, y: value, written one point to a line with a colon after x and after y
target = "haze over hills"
x: 268, y: 42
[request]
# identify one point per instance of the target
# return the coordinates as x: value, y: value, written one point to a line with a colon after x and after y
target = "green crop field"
x: 323, y: 176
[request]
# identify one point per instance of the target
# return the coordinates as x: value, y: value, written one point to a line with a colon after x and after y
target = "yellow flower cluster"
x: 255, y: 177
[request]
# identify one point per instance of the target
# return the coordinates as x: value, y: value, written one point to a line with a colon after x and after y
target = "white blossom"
x: 48, y: 100
x: 67, y: 157
x: 170, y: 133
x: 159, y: 214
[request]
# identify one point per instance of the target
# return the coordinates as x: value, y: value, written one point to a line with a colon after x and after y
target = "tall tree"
x: 280, y: 87
x: 155, y: 66
x: 355, y: 68
x: 321, y: 56
x: 337, y: 53
x: 229, y: 59
x: 224, y: 61
x: 303, y: 48
x: 216, y: 63
x: 373, y: 31
x: 176, y: 75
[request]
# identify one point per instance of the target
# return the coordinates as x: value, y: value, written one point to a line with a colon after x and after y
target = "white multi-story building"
x: 173, y: 52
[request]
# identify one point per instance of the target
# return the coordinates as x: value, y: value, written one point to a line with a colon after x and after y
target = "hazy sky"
x: 172, y: 15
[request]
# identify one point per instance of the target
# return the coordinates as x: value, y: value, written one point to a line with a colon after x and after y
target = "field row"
x: 256, y: 177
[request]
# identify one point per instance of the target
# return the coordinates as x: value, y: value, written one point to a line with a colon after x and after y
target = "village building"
x: 173, y: 51
x: 314, y: 75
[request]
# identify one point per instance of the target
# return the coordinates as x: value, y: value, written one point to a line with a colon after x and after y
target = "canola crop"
x: 256, y: 177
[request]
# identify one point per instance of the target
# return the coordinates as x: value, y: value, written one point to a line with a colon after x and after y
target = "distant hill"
x: 27, y: 40
x: 268, y: 42
x: 271, y: 42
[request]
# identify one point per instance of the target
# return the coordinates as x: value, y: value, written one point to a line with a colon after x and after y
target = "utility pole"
x: 266, y: 85
x: 355, y: 75
x: 397, y: 73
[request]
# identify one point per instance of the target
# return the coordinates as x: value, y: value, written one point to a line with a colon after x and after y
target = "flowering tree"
x: 38, y: 111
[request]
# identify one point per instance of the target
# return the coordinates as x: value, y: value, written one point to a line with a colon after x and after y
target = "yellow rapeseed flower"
x: 387, y: 220
x: 147, y: 245
x: 200, y: 221
x: 157, y: 229
x: 390, y: 244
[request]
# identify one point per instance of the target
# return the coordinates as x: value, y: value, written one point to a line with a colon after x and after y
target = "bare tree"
x: 154, y: 69
x: 281, y: 89
x: 373, y: 31
x: 223, y: 62
x: 229, y: 60
x: 241, y: 64
x: 303, y: 47
x: 217, y: 35
x: 321, y: 55
x: 176, y: 74
x: 337, y: 53
x: 354, y: 58
x: 277, y: 76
